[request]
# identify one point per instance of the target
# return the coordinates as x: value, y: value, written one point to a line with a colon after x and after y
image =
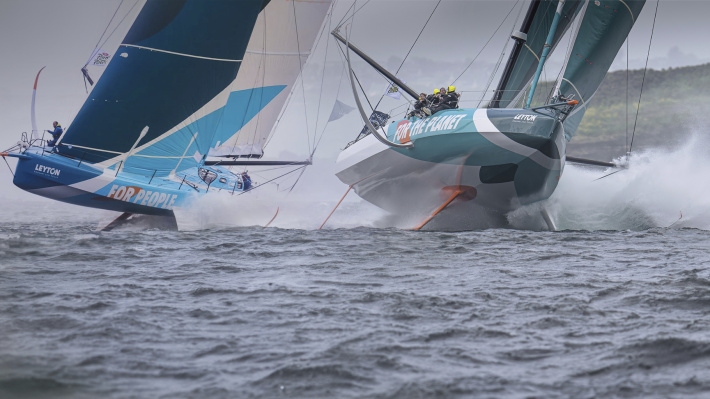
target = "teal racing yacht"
x: 467, y: 168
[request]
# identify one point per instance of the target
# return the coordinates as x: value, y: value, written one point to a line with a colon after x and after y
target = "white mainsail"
x: 284, y: 34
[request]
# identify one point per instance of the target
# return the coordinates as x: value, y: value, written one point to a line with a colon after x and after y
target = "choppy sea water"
x: 350, y: 313
x: 615, y: 305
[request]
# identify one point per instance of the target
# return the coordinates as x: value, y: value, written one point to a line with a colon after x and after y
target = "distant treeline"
x: 675, y: 104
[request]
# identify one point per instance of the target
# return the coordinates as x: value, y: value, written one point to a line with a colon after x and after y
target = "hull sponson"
x: 48, y: 177
x: 65, y: 179
x: 500, y: 158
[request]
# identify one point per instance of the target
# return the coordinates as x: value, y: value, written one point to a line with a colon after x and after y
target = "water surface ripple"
x: 352, y: 313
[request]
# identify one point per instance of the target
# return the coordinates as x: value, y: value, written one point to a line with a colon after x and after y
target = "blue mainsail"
x: 191, y: 78
x: 176, y: 58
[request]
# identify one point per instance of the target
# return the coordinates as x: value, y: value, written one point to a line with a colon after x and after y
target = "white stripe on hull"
x: 486, y: 129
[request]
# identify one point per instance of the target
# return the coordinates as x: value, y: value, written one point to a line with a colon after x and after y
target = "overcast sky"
x: 61, y: 35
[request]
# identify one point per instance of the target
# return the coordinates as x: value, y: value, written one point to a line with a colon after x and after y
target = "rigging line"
x: 357, y: 80
x: 289, y: 99
x: 277, y: 177
x: 412, y: 47
x: 262, y: 62
x: 627, y: 92
x: 417, y: 39
x: 500, y: 58
x: 391, y: 111
x: 380, y: 73
x: 276, y: 168
x: 570, y: 46
x: 614, y: 172
x: 490, y: 80
x: 8, y: 166
x: 337, y: 94
x: 303, y: 170
x: 345, y: 16
x: 363, y: 90
x: 293, y: 88
x: 263, y: 82
x: 106, y: 28
x: 119, y: 23
x: 485, y: 45
x: 300, y: 66
x: 638, y: 107
x: 322, y: 82
x: 344, y: 56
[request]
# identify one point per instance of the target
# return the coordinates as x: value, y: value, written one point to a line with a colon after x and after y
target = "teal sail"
x: 528, y: 47
x: 604, y: 27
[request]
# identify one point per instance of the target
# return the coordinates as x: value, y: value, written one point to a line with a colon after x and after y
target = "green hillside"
x: 675, y: 104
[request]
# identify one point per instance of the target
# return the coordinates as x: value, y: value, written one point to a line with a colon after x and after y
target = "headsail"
x: 187, y: 71
x: 528, y: 47
x: 283, y: 37
x: 603, y: 30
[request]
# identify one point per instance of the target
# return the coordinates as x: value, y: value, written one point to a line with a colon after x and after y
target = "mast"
x: 520, y: 38
x: 545, y: 51
x: 375, y: 65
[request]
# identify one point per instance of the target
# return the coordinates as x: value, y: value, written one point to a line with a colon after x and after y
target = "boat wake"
x: 660, y: 189
x: 306, y: 207
x: 654, y: 192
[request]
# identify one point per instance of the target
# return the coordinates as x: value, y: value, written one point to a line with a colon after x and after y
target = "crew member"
x: 56, y: 134
x: 247, y: 181
x: 435, y: 100
x: 452, y: 98
x: 420, y: 106
x: 439, y: 102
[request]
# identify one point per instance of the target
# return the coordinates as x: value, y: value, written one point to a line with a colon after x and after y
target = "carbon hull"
x: 486, y: 162
x: 69, y: 180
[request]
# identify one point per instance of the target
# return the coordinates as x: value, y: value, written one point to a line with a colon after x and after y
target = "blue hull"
x: 69, y: 180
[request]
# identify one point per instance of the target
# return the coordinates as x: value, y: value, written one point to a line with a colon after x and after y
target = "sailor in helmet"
x: 435, y: 100
x: 452, y: 98
x: 439, y: 102
x: 56, y: 134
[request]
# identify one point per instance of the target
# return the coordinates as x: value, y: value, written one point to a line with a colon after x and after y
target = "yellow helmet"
x: 452, y: 88
x: 436, y: 91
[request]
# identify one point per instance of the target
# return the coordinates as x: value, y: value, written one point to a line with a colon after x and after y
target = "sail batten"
x: 189, y: 66
x: 176, y: 53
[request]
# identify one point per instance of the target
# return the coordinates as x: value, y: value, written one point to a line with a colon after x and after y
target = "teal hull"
x: 496, y: 160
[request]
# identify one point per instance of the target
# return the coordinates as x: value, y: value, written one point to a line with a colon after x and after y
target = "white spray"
x: 661, y: 188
